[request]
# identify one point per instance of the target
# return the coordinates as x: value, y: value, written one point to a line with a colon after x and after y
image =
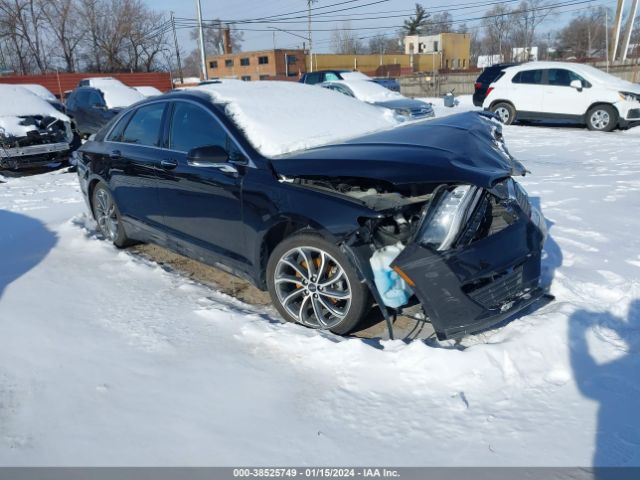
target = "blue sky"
x: 256, y: 40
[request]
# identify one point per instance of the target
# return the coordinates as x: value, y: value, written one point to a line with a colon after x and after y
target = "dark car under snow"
x: 177, y: 171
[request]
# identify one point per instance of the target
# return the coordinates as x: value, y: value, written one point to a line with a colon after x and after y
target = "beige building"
x: 453, y: 50
x: 259, y: 65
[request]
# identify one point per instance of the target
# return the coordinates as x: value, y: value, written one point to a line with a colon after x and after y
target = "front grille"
x: 633, y: 114
x: 500, y: 290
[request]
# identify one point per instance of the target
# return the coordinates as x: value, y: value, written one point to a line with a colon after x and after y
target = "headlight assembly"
x: 404, y: 112
x: 629, y: 96
x: 445, y: 220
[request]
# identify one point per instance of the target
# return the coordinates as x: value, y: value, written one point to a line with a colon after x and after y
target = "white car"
x: 564, y: 91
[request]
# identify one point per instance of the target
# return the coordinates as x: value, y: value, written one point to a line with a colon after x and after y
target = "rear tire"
x: 107, y: 215
x: 505, y: 111
x: 602, y: 118
x: 311, y: 282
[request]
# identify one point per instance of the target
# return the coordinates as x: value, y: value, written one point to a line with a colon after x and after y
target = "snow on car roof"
x: 282, y: 117
x: 39, y: 90
x: 369, y: 91
x: 148, y: 91
x: 119, y: 96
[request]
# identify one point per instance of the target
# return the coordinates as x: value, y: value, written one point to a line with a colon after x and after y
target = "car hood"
x: 407, y: 103
x: 463, y: 148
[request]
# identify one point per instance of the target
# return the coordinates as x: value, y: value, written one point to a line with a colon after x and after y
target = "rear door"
x: 134, y: 156
x: 527, y: 90
x: 562, y: 99
x: 201, y: 204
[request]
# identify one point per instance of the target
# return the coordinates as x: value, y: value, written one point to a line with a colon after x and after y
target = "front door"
x: 202, y: 205
x: 560, y: 98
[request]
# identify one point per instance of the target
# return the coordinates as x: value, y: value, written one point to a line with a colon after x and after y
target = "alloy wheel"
x: 105, y: 213
x: 600, y: 119
x: 312, y: 287
x: 503, y: 114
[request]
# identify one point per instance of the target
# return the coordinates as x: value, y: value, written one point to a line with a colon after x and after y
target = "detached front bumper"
x: 468, y: 289
x: 31, y: 155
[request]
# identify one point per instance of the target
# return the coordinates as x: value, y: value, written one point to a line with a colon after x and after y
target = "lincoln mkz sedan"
x: 421, y: 214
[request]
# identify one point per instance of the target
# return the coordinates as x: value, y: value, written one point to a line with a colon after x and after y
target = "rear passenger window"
x: 192, y: 127
x: 144, y: 127
x: 312, y: 78
x: 563, y: 78
x: 533, y: 77
x: 116, y: 134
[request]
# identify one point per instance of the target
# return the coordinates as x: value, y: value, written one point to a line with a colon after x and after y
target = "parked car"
x: 189, y: 171
x: 375, y: 94
x: 486, y: 78
x: 390, y: 83
x: 148, y: 91
x: 45, y: 94
x: 92, y: 107
x: 32, y: 132
x: 321, y: 76
x: 564, y: 91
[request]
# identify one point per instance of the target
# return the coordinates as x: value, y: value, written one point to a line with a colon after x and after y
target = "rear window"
x: 532, y: 77
x: 490, y: 74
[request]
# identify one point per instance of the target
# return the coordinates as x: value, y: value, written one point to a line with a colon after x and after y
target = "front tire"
x: 505, y: 112
x: 311, y: 282
x: 602, y: 118
x: 107, y: 215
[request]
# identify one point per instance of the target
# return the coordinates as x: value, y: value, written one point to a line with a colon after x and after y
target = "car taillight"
x: 489, y: 90
x: 477, y: 85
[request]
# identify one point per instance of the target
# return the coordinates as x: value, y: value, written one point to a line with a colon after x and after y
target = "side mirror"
x: 209, y: 156
x: 577, y: 84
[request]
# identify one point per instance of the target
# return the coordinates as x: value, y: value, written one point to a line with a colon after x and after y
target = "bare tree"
x: 213, y: 37
x: 439, y: 23
x: 585, y: 35
x: 23, y: 22
x: 497, y: 26
x: 66, y: 25
x: 526, y: 18
x: 381, y: 44
x: 345, y: 41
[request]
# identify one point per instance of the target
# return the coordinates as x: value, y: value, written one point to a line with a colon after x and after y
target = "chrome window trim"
x: 250, y: 163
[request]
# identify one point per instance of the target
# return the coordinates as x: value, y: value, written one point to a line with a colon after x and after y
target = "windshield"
x: 275, y: 124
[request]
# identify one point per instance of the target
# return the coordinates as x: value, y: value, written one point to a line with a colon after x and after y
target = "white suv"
x: 564, y: 91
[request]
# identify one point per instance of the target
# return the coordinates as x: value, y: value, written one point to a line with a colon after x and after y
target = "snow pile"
x: 371, y: 92
x: 282, y: 117
x: 15, y: 102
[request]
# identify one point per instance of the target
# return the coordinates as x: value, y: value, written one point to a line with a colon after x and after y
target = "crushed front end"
x: 481, y: 271
x: 33, y: 140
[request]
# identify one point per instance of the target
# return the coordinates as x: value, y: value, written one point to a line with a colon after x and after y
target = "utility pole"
x: 309, y: 3
x: 629, y: 29
x: 606, y: 36
x: 175, y: 41
x: 203, y: 56
x: 615, y: 34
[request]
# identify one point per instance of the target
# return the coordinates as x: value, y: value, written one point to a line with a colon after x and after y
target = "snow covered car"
x: 148, y: 91
x: 366, y: 90
x: 32, y: 132
x: 44, y: 94
x: 331, y: 210
x: 98, y: 100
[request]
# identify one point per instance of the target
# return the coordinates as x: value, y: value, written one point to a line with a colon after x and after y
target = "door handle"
x: 115, y: 155
x: 168, y: 164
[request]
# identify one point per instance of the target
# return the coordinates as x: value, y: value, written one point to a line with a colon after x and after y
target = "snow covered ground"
x: 108, y: 359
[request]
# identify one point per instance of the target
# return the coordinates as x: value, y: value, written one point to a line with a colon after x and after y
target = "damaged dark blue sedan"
x: 421, y: 214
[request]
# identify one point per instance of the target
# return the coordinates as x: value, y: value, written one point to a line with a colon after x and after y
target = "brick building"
x: 277, y: 64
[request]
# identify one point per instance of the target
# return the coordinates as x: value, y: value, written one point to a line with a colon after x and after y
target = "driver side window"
x: 192, y: 127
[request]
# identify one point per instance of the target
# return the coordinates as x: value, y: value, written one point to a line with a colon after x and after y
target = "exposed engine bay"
x: 439, y: 218
x: 33, y: 140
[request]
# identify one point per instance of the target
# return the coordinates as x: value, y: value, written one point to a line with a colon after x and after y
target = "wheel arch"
x: 599, y: 103
x: 496, y: 102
